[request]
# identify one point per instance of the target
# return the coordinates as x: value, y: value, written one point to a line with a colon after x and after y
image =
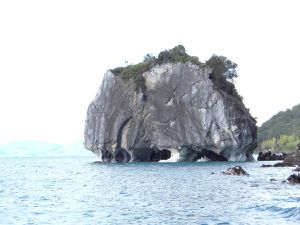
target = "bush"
x: 131, y: 71
x: 177, y: 55
x: 149, y: 58
x: 222, y: 67
x: 282, y: 143
x: 164, y: 57
x: 223, y: 74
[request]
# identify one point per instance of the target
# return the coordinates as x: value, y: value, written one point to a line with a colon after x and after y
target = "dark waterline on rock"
x: 77, y: 191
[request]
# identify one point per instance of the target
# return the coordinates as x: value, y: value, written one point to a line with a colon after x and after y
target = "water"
x: 76, y: 191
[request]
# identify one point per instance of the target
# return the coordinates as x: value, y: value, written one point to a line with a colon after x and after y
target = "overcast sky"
x: 53, y: 54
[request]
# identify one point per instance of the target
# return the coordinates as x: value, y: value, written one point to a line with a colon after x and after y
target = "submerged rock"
x: 236, y: 170
x: 294, y: 179
x: 173, y: 108
x: 269, y: 156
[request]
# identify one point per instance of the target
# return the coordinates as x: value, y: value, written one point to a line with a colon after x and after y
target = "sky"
x: 53, y: 54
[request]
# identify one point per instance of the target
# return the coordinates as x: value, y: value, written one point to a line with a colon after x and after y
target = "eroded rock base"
x: 184, y: 154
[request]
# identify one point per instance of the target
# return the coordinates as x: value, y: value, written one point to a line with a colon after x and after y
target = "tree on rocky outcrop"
x: 175, y: 55
x: 223, y: 74
x: 222, y: 67
x: 149, y: 58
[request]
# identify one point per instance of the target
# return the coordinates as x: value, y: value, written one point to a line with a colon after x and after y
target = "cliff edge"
x: 168, y: 111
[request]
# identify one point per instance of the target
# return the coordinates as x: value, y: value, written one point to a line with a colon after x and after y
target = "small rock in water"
x: 266, y: 165
x: 97, y: 162
x: 272, y: 179
x: 269, y: 156
x: 297, y: 169
x: 294, y: 179
x: 236, y: 170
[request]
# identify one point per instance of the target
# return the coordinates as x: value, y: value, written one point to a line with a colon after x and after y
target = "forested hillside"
x: 282, y: 131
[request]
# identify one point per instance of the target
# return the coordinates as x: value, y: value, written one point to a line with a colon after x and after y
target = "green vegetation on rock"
x: 281, y: 132
x: 174, y: 55
x: 283, y: 143
x: 131, y: 71
x: 177, y: 55
x: 222, y: 76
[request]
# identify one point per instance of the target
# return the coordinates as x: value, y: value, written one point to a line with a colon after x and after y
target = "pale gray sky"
x: 53, y: 54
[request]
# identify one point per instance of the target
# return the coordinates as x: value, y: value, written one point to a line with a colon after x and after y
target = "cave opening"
x: 158, y: 155
x: 122, y: 156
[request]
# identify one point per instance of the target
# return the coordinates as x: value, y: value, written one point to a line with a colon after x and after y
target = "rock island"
x: 171, y: 107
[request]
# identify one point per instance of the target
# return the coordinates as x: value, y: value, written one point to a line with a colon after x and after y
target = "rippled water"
x: 76, y: 191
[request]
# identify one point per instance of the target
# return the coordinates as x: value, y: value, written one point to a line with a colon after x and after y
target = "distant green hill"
x: 281, y: 132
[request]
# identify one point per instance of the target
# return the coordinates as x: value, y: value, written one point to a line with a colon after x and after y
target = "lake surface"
x: 76, y: 191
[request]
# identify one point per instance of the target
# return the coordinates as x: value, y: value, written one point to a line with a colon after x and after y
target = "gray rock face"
x: 179, y: 115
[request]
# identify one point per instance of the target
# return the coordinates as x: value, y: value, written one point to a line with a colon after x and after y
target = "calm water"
x: 75, y: 191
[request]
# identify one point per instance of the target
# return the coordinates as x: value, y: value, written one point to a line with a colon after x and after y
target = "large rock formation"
x: 177, y: 112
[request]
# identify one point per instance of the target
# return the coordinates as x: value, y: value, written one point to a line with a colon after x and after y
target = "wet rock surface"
x: 177, y: 110
x: 266, y: 165
x: 269, y: 156
x: 294, y: 179
x: 236, y: 170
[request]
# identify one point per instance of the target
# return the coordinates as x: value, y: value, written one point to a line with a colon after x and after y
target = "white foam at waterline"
x: 174, y: 156
x: 203, y: 159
